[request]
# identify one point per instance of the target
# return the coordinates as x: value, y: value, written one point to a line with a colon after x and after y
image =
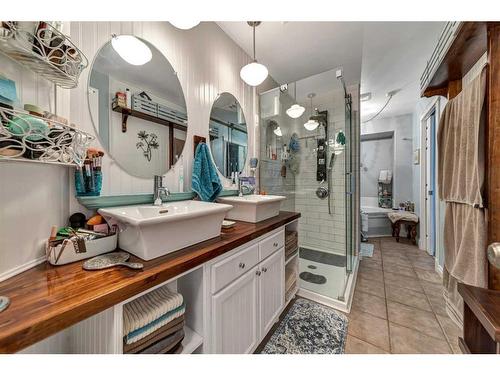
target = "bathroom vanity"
x: 233, y: 287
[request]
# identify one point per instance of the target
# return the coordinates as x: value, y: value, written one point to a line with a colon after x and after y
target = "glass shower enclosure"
x: 311, y: 159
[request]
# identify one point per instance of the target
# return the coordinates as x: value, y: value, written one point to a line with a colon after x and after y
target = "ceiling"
x: 382, y: 56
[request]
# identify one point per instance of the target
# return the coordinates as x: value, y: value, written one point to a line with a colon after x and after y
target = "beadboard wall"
x: 207, y: 62
x: 33, y: 197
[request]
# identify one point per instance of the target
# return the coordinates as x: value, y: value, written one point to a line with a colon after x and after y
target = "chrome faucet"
x: 159, y: 191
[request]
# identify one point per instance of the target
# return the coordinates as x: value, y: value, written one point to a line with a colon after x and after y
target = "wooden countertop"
x: 47, y: 299
x: 485, y: 304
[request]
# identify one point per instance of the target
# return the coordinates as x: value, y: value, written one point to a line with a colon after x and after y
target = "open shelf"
x: 191, y: 342
x: 292, y: 256
x: 126, y: 112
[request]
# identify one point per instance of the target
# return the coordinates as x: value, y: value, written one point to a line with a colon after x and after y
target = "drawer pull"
x: 242, y: 265
x: 275, y: 244
x: 257, y: 273
x: 264, y: 269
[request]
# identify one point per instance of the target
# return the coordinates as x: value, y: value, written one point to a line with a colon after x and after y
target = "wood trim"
x: 493, y: 145
x: 47, y: 299
x: 469, y: 45
x: 454, y: 88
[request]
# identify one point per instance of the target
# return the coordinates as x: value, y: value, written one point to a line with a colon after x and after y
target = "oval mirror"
x: 137, y: 106
x: 228, y: 135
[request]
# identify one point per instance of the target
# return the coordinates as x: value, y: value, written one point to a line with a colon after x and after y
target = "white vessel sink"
x: 149, y: 231
x: 253, y: 208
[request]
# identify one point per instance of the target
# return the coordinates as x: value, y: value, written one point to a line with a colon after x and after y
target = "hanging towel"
x: 461, y: 146
x: 465, y: 241
x: 460, y: 183
x: 205, y: 181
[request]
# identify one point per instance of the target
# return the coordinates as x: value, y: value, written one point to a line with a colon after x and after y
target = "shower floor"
x: 322, y: 272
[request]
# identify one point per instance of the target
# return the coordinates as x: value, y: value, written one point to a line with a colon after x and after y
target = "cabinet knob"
x: 275, y: 244
x: 257, y: 273
x: 242, y: 265
x: 264, y: 269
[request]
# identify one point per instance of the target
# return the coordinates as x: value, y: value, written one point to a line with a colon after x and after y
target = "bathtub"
x: 375, y: 222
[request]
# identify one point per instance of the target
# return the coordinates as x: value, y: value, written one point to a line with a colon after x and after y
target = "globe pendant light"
x: 296, y: 110
x: 131, y: 49
x: 254, y: 73
x: 184, y: 24
x: 311, y: 124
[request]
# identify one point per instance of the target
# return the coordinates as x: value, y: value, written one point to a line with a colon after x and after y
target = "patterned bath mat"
x: 366, y: 249
x: 309, y: 328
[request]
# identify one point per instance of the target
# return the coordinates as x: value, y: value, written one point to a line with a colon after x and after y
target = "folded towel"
x: 205, y: 181
x: 149, y: 312
x: 165, y: 345
x: 402, y: 215
x: 167, y: 330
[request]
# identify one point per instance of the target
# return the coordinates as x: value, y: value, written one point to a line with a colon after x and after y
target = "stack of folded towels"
x: 154, y: 323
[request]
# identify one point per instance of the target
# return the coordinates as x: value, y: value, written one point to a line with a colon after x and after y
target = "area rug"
x: 309, y: 328
x: 366, y: 249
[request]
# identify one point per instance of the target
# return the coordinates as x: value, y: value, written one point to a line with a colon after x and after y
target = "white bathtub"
x: 379, y: 224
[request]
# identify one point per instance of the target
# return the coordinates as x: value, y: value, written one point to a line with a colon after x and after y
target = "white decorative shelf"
x: 45, y: 140
x: 49, y: 53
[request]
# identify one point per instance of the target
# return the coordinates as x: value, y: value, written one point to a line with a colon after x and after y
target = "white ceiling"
x: 382, y: 56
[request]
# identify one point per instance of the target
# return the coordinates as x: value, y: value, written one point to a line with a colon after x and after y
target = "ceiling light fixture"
x: 184, y: 24
x: 296, y: 110
x: 131, y: 49
x: 254, y: 73
x: 311, y: 124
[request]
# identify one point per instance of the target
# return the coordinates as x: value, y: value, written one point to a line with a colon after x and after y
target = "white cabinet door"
x: 235, y: 315
x: 271, y: 290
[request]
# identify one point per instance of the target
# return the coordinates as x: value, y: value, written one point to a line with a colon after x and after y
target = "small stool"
x: 411, y: 230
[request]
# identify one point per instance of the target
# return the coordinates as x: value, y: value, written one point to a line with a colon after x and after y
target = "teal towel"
x: 205, y: 181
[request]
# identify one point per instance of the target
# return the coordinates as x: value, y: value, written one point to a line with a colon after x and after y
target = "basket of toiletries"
x: 88, y: 178
x: 82, y: 239
x: 79, y: 247
x: 146, y: 106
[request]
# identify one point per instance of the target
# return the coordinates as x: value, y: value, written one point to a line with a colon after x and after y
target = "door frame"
x: 433, y: 107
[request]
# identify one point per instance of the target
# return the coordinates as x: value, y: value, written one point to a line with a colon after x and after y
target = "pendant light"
x: 296, y: 110
x: 254, y: 73
x: 184, y: 24
x: 131, y: 49
x: 311, y: 124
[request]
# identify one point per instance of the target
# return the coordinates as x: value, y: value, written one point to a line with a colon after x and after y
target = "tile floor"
x: 398, y: 305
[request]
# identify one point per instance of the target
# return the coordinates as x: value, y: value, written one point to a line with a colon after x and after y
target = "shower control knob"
x: 322, y: 192
x: 242, y: 265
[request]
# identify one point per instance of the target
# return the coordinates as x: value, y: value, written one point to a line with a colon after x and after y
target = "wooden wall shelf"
x: 126, y: 112
x: 469, y: 45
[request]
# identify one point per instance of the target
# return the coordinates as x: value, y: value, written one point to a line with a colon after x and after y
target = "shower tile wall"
x: 270, y: 177
x: 318, y: 229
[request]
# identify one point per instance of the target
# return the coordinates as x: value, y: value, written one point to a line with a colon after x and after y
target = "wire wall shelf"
x: 29, y: 138
x: 47, y: 52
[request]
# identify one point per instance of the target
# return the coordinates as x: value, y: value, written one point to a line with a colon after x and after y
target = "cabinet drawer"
x: 231, y: 268
x: 271, y: 244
